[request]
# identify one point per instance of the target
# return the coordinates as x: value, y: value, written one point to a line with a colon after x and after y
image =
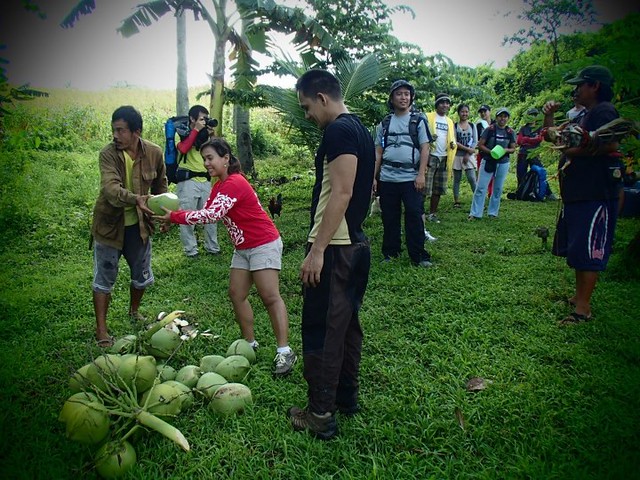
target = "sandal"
x: 574, y: 318
x: 105, y: 342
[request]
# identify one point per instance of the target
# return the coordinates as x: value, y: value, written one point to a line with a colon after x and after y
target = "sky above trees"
x: 92, y: 56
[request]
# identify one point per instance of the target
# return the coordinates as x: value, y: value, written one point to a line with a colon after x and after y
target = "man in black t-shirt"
x: 335, y: 270
x: 590, y: 178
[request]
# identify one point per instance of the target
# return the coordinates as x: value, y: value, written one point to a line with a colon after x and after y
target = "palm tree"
x: 258, y: 17
x: 355, y: 77
x: 182, y: 86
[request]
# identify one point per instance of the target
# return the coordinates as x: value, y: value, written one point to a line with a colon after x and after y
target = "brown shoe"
x: 323, y: 426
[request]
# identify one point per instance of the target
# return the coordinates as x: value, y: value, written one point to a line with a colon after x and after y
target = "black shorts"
x: 584, y: 234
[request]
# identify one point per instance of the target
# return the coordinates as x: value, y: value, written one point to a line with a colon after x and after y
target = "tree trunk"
x: 217, y: 83
x: 182, y: 87
x: 241, y: 119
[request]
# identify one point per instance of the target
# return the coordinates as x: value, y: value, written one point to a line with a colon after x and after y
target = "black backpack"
x: 414, y: 122
x: 527, y: 189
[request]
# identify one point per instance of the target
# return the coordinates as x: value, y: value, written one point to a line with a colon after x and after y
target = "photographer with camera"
x: 193, y: 181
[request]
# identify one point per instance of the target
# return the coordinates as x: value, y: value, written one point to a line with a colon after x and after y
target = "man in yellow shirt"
x: 194, y: 184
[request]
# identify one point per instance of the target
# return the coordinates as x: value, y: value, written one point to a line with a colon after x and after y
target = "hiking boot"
x: 283, y: 363
x: 348, y: 410
x: 432, y: 217
x: 323, y: 426
x: 429, y: 237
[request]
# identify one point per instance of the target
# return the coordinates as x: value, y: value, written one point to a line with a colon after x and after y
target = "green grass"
x: 563, y: 404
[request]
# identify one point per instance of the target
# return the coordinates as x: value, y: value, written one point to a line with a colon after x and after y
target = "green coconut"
x: 209, y: 382
x: 162, y: 400
x: 103, y: 370
x: 189, y: 375
x: 166, y: 372
x: 138, y: 371
x: 244, y: 348
x: 126, y: 344
x: 167, y: 200
x: 186, y: 397
x: 78, y: 381
x: 234, y: 368
x: 114, y: 459
x: 86, y: 418
x: 70, y: 406
x: 208, y: 363
x: 163, y: 343
x: 231, y: 398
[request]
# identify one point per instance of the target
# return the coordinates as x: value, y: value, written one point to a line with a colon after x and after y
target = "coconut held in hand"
x: 167, y: 200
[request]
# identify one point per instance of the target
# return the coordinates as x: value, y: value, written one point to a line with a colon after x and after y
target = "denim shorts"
x: 136, y: 253
x: 262, y: 257
x: 584, y: 234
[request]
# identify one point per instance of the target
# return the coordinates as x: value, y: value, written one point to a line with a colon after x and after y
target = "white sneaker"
x: 432, y: 217
x: 428, y: 236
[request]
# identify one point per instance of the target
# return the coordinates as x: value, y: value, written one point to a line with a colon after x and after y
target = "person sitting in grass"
x: 257, y: 258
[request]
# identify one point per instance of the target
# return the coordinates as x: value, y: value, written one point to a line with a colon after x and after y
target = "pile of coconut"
x: 133, y: 387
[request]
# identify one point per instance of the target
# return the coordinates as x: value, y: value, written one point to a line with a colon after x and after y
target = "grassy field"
x: 563, y: 402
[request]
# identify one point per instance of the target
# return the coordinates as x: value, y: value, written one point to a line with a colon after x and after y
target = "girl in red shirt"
x: 257, y: 258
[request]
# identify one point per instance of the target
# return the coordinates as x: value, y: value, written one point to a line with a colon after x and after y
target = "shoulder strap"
x: 414, y: 121
x: 385, y: 130
x: 492, y: 136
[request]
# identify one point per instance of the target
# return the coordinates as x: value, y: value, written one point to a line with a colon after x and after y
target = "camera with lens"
x: 212, y: 122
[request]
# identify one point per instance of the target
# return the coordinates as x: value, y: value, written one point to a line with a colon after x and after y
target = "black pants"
x: 331, y: 332
x: 392, y: 197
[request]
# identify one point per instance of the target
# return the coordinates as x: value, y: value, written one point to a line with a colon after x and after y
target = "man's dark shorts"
x: 584, y: 234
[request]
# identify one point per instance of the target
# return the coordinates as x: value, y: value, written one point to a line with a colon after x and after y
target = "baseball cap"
x: 502, y: 110
x: 402, y: 83
x: 396, y: 85
x: 442, y: 97
x: 484, y: 107
x: 533, y: 111
x: 594, y: 73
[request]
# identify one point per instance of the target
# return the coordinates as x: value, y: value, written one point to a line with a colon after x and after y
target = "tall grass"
x: 563, y: 402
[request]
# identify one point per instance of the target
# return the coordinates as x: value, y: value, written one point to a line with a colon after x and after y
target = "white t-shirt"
x: 442, y: 128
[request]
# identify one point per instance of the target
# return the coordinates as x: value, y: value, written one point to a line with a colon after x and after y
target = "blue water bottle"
x: 170, y: 144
